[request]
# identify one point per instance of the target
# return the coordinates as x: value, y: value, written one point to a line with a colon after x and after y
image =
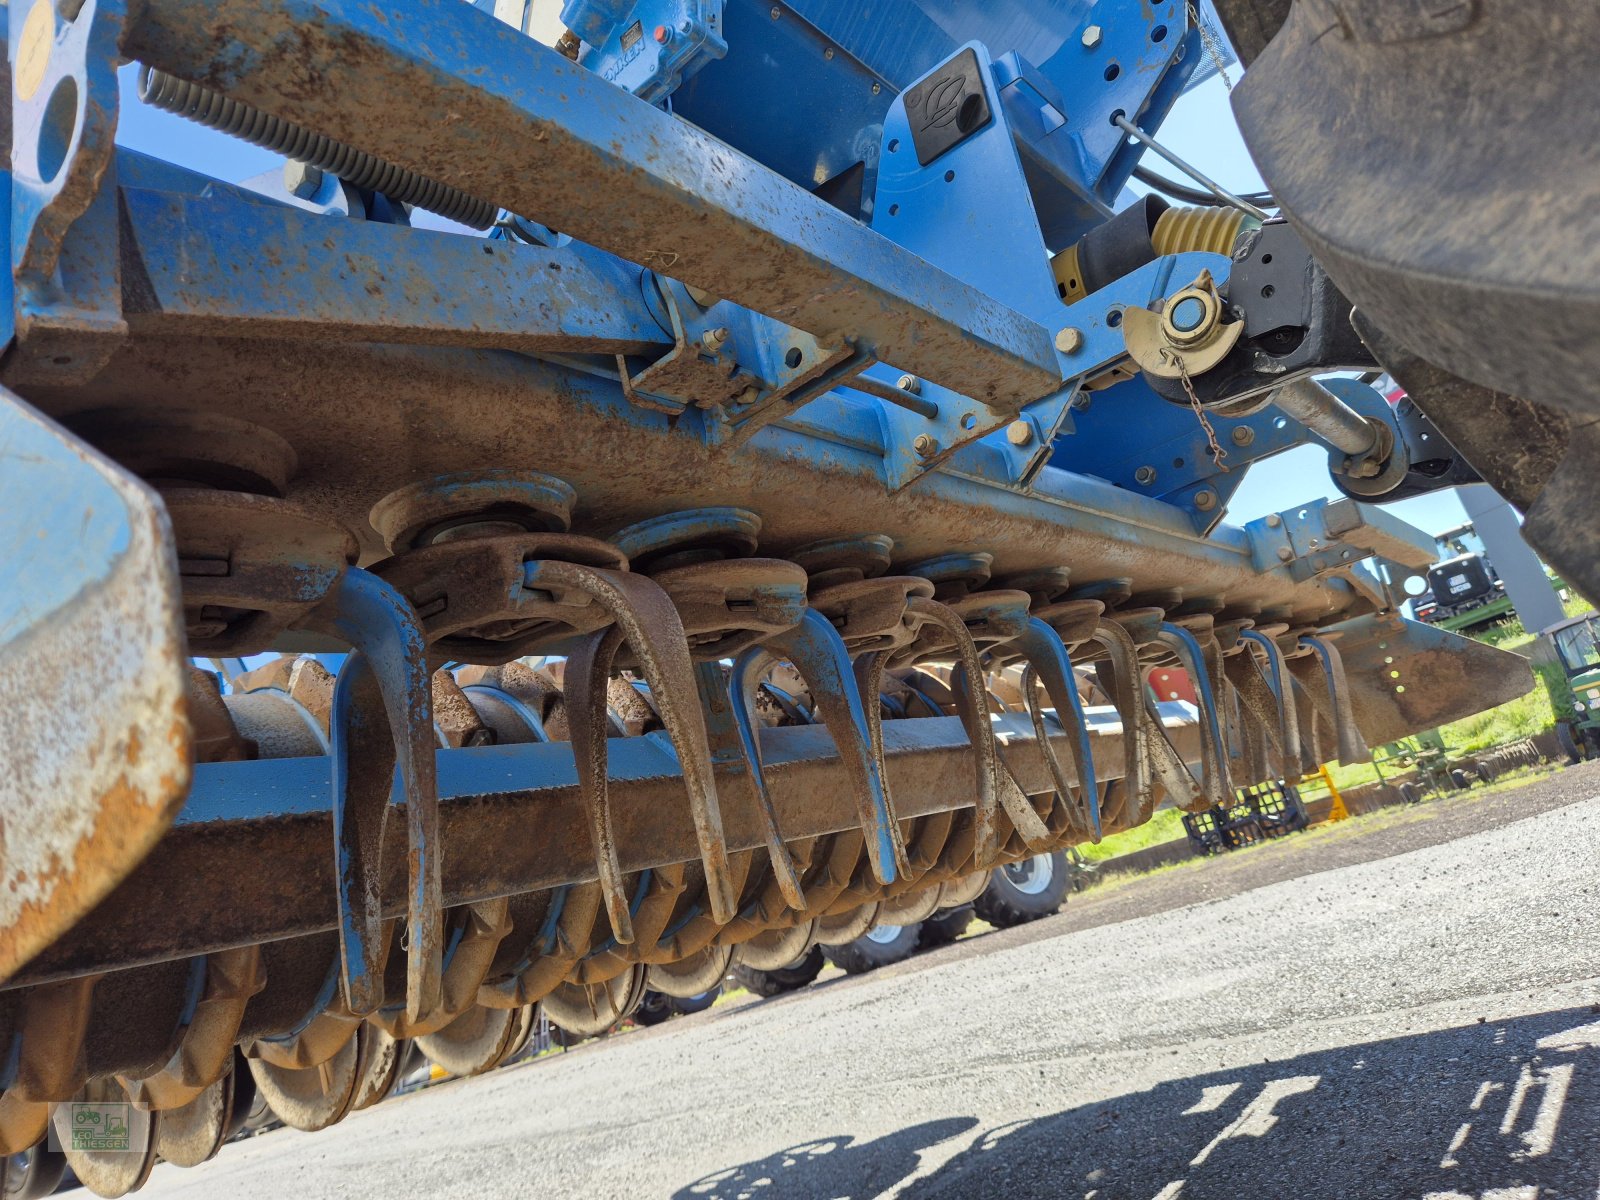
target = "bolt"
x: 1091, y: 37
x: 1285, y: 554
x: 1145, y: 475
x: 1080, y: 402
x: 663, y: 34
x: 1205, y: 499
x: 776, y: 12
x: 302, y: 179
x: 713, y: 339
x: 1273, y: 520
x: 876, y: 88
x: 1069, y: 340
x: 828, y: 54
x: 1243, y: 435
x: 909, y: 383
x: 1019, y: 433
x: 749, y: 396
x: 925, y: 445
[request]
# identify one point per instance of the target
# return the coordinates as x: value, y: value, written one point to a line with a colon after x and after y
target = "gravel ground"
x: 1402, y: 1006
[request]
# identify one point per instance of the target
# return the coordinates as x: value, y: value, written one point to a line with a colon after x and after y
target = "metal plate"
x: 92, y: 711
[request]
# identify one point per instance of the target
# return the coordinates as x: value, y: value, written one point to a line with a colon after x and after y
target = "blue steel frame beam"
x: 448, y: 91
x: 511, y: 821
x: 214, y: 266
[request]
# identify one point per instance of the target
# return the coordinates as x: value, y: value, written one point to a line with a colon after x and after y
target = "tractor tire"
x: 878, y: 947
x: 34, y: 1173
x: 945, y: 927
x: 1025, y: 891
x: 786, y: 979
x: 1568, y: 744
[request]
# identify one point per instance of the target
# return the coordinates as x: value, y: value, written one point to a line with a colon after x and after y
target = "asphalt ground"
x: 1404, y: 1005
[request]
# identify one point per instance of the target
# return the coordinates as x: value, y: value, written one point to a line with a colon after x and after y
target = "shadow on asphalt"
x: 1507, y: 1110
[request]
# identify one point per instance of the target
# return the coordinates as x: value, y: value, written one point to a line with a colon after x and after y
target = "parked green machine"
x: 1577, y: 643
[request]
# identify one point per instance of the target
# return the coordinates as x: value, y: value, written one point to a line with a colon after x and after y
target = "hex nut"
x: 301, y: 179
x: 909, y: 383
x: 1243, y: 435
x: 1145, y: 475
x: 1069, y: 340
x: 1205, y: 499
x: 925, y: 445
x: 1092, y: 36
x: 1019, y: 433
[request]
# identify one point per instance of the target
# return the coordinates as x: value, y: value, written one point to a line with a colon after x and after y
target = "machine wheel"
x: 1485, y: 772
x: 1461, y: 779
x: 684, y: 1006
x: 1568, y: 744
x: 1025, y: 891
x: 653, y: 1009
x: 945, y: 927
x: 785, y: 979
x: 34, y: 1173
x: 878, y: 947
x: 1410, y: 794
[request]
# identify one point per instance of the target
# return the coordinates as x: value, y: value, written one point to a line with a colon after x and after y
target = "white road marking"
x: 1170, y: 1192
x: 1484, y: 1089
x: 1212, y: 1098
x: 1449, y: 1160
x: 1257, y: 1119
x: 1539, y: 1140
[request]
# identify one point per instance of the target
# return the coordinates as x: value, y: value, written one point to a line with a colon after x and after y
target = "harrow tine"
x: 1277, y: 679
x: 743, y: 682
x: 972, y: 704
x: 588, y: 672
x: 1120, y: 678
x: 1213, y: 753
x: 653, y: 631
x: 1339, y: 709
x: 820, y: 657
x: 1048, y: 658
x: 387, y: 677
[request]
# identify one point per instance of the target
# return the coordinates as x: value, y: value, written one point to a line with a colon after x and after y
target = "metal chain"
x: 1213, y: 47
x: 1212, y: 445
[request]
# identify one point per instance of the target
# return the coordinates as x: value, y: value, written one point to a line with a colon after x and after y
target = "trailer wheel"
x: 785, y: 979
x: 1025, y: 891
x: 945, y: 927
x: 878, y: 947
x: 1410, y: 794
x: 1485, y: 772
x: 1460, y: 779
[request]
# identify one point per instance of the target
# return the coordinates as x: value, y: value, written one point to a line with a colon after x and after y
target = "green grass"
x: 1165, y: 826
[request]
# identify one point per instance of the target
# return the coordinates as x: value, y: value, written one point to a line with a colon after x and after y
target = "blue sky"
x: 1201, y: 129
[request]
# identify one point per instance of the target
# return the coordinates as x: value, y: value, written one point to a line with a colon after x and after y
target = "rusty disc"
x: 847, y: 926
x: 193, y: 1133
x: 384, y: 1057
x: 776, y: 948
x: 472, y: 504
x: 474, y: 1042
x: 692, y: 976
x: 108, y: 1172
x: 590, y: 1011
x: 316, y: 1097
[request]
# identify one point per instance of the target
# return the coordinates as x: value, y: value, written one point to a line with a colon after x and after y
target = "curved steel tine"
x: 820, y: 657
x: 1213, y: 753
x: 387, y: 674
x: 587, y: 674
x: 1278, y: 681
x: 1047, y: 655
x: 1311, y: 756
x: 653, y: 631
x: 1258, y: 711
x: 1352, y: 745
x: 743, y: 681
x: 972, y: 703
x: 1125, y: 686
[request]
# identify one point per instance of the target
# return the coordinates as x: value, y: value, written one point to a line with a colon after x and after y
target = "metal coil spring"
x: 356, y: 167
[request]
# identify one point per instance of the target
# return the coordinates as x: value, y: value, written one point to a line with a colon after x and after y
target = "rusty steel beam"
x: 251, y: 856
x: 449, y: 92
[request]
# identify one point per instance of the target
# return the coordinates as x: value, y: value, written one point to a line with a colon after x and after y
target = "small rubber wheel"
x: 34, y: 1173
x: 1460, y: 779
x: 945, y: 927
x: 653, y: 1009
x: 1484, y: 772
x: 686, y: 1005
x: 1409, y: 793
x: 1025, y: 891
x: 785, y: 979
x: 878, y: 947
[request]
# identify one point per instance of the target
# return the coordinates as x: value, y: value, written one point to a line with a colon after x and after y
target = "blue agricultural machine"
x: 562, y: 535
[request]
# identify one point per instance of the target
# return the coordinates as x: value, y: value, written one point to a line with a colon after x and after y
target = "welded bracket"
x: 64, y: 106
x: 1329, y: 538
